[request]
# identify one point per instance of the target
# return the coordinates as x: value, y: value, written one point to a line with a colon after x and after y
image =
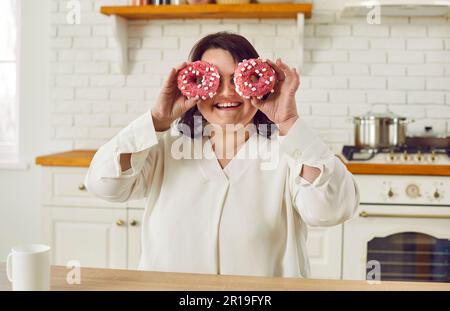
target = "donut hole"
x: 198, y: 80
x: 254, y: 78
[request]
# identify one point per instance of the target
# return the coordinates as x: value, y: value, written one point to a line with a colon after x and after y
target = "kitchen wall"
x: 350, y: 67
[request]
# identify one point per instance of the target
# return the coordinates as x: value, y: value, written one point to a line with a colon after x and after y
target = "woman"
x: 210, y: 207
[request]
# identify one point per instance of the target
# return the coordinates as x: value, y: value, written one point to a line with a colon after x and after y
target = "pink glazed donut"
x: 254, y: 78
x: 199, y: 79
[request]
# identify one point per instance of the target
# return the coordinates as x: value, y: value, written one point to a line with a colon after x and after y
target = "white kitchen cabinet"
x: 96, y: 237
x: 79, y: 226
x: 324, y: 246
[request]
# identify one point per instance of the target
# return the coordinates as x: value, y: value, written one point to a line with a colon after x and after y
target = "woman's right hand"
x: 171, y: 104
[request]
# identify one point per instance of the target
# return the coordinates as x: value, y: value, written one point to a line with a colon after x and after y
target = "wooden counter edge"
x: 114, y: 279
x: 82, y: 158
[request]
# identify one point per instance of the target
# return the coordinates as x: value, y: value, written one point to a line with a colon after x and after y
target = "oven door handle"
x: 365, y: 214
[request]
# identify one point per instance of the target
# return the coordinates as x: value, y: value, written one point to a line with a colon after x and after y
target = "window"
x: 8, y: 82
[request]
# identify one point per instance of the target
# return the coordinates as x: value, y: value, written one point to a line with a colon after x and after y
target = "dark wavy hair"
x: 240, y: 48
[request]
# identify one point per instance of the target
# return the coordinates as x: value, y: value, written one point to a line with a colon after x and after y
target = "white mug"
x: 28, y: 267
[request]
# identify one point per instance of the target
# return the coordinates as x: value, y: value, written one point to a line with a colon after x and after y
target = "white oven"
x: 403, y: 226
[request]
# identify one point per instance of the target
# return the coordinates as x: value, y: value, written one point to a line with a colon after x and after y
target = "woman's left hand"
x: 280, y: 106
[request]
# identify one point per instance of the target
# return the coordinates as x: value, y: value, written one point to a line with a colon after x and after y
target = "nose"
x: 227, y: 89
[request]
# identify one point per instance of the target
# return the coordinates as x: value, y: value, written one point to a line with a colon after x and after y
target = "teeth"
x: 225, y: 105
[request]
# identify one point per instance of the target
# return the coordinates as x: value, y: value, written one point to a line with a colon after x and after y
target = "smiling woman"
x: 224, y: 210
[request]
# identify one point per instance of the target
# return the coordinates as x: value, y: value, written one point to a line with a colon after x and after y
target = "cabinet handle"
x: 133, y: 223
x: 390, y: 193
x: 436, y: 194
x: 120, y: 222
x: 365, y: 214
x: 81, y: 187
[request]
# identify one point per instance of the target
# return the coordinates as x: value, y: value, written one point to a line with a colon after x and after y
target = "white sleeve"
x: 333, y: 196
x: 105, y: 178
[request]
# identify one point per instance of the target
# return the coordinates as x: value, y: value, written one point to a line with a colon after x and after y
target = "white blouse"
x: 249, y: 218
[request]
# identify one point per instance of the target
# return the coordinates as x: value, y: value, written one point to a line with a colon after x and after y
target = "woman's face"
x: 209, y: 108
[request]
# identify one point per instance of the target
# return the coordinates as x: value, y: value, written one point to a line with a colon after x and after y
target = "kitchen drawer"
x: 65, y: 186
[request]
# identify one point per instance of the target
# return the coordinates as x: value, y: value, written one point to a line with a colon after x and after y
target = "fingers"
x: 289, y: 72
x: 182, y: 105
x: 182, y: 65
x: 188, y: 104
x: 172, y: 77
x: 256, y: 102
x: 191, y: 102
x: 297, y: 78
x: 280, y: 73
x: 292, y: 76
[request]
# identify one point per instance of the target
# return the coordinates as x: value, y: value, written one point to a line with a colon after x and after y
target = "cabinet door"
x: 324, y: 246
x: 96, y: 237
x: 134, y: 237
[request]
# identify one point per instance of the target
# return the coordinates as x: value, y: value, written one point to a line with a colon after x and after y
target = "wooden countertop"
x: 109, y: 279
x: 79, y: 158
x: 82, y: 158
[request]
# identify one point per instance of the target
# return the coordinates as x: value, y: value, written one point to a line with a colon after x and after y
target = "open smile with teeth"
x: 227, y: 105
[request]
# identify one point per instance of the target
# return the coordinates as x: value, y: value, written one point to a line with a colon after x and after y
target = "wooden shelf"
x: 120, y: 15
x: 210, y: 11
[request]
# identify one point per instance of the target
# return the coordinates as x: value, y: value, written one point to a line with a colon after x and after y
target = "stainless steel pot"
x: 380, y: 130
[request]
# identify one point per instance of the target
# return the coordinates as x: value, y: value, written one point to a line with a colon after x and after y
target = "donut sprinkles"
x: 199, y: 79
x: 254, y: 78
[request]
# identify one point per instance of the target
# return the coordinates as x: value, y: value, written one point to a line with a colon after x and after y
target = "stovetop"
x: 398, y: 155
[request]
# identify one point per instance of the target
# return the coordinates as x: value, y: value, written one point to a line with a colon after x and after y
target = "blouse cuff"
x: 303, y: 146
x: 136, y: 138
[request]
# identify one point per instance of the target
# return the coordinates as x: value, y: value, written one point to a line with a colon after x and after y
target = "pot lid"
x: 380, y: 115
